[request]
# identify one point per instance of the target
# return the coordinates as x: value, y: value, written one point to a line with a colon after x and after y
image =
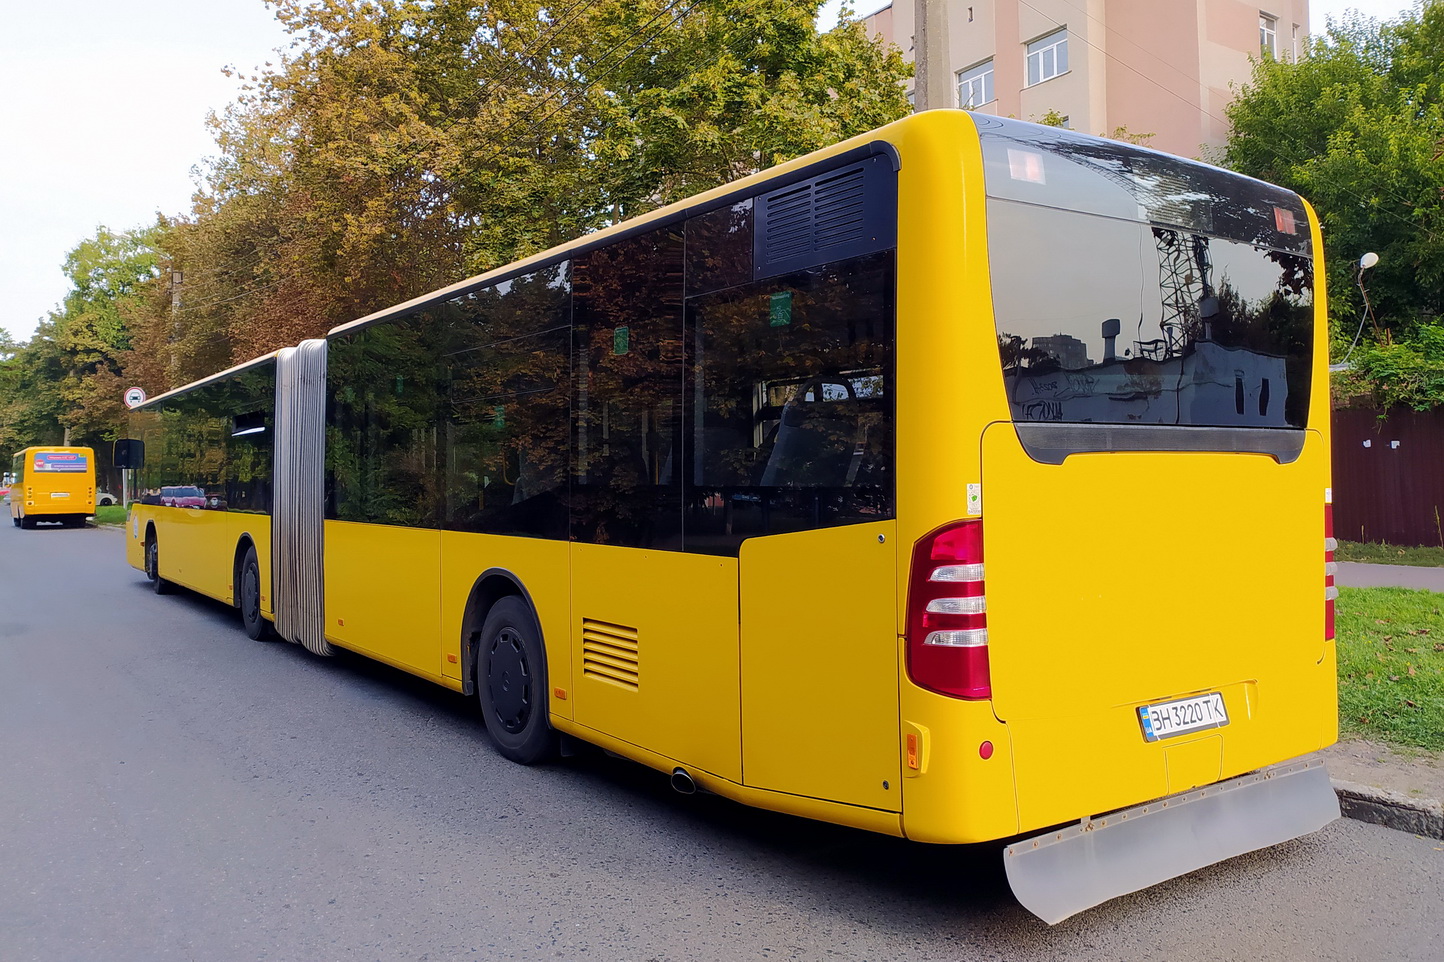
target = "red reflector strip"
x: 1330, y: 592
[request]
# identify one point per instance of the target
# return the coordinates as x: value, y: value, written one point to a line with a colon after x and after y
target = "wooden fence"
x: 1389, y: 476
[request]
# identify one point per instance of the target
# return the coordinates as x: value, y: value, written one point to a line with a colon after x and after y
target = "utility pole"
x: 932, y: 75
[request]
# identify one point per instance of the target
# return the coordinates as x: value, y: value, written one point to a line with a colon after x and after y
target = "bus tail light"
x: 1330, y: 592
x: 947, y: 617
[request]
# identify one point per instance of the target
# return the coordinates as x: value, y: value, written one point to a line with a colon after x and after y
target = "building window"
x: 1048, y: 57
x: 975, y: 85
x: 1268, y: 34
x: 1296, y: 43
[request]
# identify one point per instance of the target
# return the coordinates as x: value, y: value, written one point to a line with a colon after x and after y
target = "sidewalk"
x: 1399, y: 788
x: 1354, y: 574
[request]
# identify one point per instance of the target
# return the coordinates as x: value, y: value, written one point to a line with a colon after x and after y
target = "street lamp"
x: 1363, y: 264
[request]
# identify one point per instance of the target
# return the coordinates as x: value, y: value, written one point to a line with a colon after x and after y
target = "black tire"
x: 15, y: 520
x: 248, y: 598
x: 152, y: 569
x: 511, y: 683
x: 106, y: 502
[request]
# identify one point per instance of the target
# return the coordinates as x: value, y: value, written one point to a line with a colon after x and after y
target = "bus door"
x: 817, y: 599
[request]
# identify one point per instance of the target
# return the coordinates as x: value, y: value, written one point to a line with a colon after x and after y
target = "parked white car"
x: 103, y: 498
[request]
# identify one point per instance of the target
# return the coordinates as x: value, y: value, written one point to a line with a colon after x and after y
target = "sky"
x: 104, y: 119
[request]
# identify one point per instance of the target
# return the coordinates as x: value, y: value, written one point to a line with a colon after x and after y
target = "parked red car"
x: 183, y: 497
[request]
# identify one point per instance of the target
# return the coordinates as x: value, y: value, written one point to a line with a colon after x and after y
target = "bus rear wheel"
x: 152, y: 568
x: 511, y: 683
x: 250, y: 597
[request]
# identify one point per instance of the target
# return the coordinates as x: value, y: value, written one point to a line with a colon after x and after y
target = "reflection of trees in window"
x: 212, y: 444
x: 507, y: 353
x: 627, y: 301
x: 719, y: 249
x: 381, y: 433
x: 791, y: 407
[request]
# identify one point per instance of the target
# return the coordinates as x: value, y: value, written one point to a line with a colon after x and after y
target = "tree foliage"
x: 1357, y: 127
x: 66, y: 381
x: 396, y: 146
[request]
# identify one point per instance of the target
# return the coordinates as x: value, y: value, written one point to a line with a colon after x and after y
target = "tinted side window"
x: 384, y: 397
x: 211, y: 447
x: 506, y: 434
x: 790, y: 413
x: 626, y: 473
x: 251, y: 439
x: 719, y: 249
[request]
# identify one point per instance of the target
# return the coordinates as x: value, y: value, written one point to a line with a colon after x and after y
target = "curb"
x: 1418, y: 816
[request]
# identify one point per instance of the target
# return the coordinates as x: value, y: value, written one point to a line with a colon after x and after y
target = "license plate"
x: 1170, y: 718
x: 60, y: 495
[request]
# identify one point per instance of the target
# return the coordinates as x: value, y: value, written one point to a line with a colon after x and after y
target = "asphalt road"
x: 171, y: 790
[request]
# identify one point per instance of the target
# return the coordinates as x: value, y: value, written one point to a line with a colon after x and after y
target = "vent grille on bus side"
x: 842, y: 213
x: 609, y: 652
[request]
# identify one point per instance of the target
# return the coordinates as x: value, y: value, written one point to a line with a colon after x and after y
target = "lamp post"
x: 1363, y: 264
x: 1366, y: 262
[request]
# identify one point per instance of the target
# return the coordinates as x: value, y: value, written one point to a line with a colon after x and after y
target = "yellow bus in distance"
x: 960, y: 481
x: 52, y: 484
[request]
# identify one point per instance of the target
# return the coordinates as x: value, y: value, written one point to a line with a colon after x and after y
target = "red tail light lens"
x: 947, y: 639
x: 1330, y: 592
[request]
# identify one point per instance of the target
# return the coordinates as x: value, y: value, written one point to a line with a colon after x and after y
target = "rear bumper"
x: 1064, y: 871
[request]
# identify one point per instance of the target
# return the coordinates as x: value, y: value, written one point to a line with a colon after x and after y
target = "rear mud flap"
x: 1063, y: 872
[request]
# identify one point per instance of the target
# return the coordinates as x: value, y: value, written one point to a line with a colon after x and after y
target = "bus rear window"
x: 1130, y: 287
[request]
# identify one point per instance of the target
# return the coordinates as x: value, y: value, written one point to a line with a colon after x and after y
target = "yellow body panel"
x: 955, y: 795
x: 383, y: 594
x: 819, y: 664
x: 682, y: 611
x: 53, y: 494
x: 543, y: 567
x: 197, y: 550
x: 198, y: 547
x: 853, y: 816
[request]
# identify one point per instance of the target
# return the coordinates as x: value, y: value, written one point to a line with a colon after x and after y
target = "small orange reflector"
x: 451, y: 658
x: 561, y: 693
x: 986, y: 750
x: 341, y: 622
x: 912, y: 751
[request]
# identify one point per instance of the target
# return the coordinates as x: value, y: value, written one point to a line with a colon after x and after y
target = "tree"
x: 1357, y: 127
x: 66, y: 381
x: 401, y: 144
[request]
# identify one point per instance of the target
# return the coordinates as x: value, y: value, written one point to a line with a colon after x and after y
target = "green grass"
x: 111, y: 514
x: 1372, y: 552
x: 1391, y: 665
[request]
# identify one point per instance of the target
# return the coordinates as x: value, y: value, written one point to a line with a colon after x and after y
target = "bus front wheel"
x: 250, y: 597
x: 152, y: 568
x: 511, y: 683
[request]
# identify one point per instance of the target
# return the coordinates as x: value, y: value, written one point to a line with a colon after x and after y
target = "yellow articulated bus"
x: 965, y: 481
x: 52, y: 484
